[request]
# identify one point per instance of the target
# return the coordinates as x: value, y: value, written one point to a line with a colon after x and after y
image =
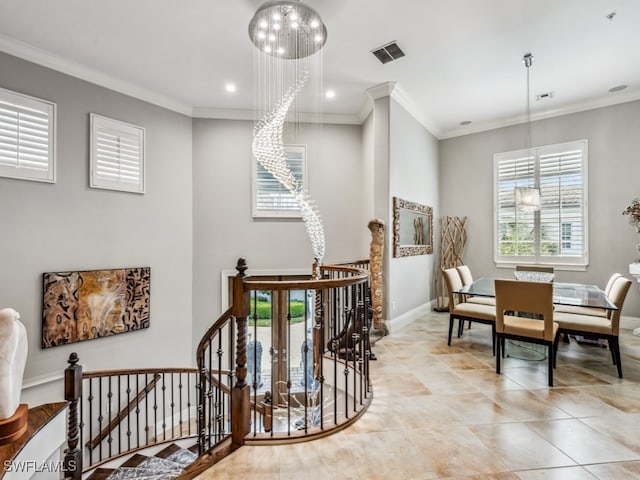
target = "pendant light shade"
x: 527, y: 198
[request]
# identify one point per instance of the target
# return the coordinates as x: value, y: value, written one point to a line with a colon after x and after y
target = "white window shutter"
x: 557, y: 233
x: 27, y: 137
x: 117, y: 155
x: 270, y: 198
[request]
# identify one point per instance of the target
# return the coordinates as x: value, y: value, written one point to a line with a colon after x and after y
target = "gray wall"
x: 224, y: 227
x: 67, y: 226
x: 413, y: 176
x: 466, y: 186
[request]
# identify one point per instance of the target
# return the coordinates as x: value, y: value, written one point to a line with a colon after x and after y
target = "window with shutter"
x: 27, y: 137
x: 270, y: 198
x: 556, y: 234
x: 117, y: 155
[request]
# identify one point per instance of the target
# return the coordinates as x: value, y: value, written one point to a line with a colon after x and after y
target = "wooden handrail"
x: 137, y: 371
x: 115, y: 421
x: 211, y: 332
x: 359, y: 275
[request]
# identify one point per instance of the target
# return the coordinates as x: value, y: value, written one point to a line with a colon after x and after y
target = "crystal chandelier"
x: 288, y: 36
x: 527, y: 198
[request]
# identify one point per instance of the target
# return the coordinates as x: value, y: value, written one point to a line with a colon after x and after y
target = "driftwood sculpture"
x: 453, y: 239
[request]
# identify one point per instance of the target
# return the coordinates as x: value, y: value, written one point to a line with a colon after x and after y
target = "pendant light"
x: 527, y: 198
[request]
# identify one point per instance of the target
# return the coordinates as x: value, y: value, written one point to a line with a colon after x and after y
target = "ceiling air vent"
x: 387, y: 53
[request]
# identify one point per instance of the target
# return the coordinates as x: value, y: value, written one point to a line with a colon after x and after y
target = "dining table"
x: 575, y: 294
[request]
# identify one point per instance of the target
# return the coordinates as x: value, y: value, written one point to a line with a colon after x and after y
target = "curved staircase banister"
x: 211, y: 332
x: 358, y: 275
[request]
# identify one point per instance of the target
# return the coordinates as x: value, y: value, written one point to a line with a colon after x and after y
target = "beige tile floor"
x: 442, y: 412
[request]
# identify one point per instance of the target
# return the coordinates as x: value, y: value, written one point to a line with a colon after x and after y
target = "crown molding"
x: 613, y: 99
x: 241, y: 114
x: 391, y: 89
x: 409, y: 105
x: 50, y: 60
x: 382, y: 90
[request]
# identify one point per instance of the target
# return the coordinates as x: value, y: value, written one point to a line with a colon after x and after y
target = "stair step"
x: 100, y: 474
x: 193, y: 448
x: 131, y: 473
x: 170, y: 450
x: 134, y: 461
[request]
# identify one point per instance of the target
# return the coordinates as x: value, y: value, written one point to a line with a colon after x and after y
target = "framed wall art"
x: 90, y: 304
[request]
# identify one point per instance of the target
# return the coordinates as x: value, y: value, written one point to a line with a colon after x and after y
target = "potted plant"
x: 633, y: 210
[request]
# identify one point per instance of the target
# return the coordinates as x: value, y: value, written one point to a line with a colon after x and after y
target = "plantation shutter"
x: 562, y: 198
x: 557, y: 233
x: 117, y: 155
x: 515, y: 227
x: 27, y: 139
x: 271, y: 198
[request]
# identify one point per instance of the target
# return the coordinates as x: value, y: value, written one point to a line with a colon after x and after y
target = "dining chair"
x: 467, y: 279
x: 519, y: 297
x: 592, y: 326
x: 598, y: 312
x: 473, y: 312
x: 534, y: 268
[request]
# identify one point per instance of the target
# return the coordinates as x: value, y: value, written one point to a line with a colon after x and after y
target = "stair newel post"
x: 240, y: 399
x: 318, y: 323
x: 73, y: 394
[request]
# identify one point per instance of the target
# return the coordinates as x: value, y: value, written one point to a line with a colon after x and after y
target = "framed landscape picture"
x: 91, y: 304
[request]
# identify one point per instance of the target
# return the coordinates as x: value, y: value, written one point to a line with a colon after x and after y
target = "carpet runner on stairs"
x: 165, y: 465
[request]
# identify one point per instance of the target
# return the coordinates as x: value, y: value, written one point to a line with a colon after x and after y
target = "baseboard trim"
x: 41, y: 380
x: 409, y: 317
x: 629, y: 323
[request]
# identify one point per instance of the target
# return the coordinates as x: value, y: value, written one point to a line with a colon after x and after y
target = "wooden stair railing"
x: 104, y: 433
x: 224, y: 404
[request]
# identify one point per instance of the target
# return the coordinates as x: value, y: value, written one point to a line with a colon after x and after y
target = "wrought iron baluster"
x: 172, y: 405
x: 128, y: 412
x: 90, y: 399
x: 210, y: 407
x: 138, y: 408
x: 109, y: 417
x: 146, y: 412
x: 119, y: 419
x: 180, y: 430
x: 164, y: 408
x: 287, y: 359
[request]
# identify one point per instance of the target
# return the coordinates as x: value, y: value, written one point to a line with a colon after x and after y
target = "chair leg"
x: 550, y: 355
x: 613, y: 353
x: 503, y: 347
x: 616, y: 347
x: 493, y: 338
x: 498, y: 355
x: 460, y: 327
x: 450, y: 329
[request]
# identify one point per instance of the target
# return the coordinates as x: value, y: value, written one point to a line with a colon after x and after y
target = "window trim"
x: 559, y: 262
x: 51, y: 109
x: 275, y: 213
x: 123, y: 127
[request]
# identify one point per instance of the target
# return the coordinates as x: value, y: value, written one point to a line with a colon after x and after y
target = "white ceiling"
x: 463, y: 57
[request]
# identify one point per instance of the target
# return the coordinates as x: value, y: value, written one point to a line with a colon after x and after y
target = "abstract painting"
x: 95, y: 303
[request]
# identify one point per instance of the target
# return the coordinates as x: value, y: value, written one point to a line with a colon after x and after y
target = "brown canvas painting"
x: 92, y: 304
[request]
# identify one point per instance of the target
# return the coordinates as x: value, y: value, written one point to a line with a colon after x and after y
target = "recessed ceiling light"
x: 617, y: 88
x: 464, y: 123
x: 230, y: 87
x: 330, y: 94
